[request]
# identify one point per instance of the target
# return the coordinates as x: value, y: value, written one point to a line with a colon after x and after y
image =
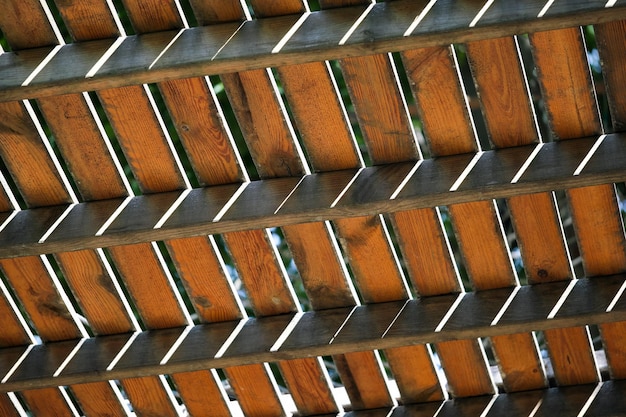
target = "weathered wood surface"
x: 332, y: 331
x: 601, y: 242
x: 510, y: 121
x: 222, y: 54
x: 427, y: 186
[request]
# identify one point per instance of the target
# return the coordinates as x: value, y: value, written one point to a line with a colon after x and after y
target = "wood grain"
x: 83, y: 146
x: 149, y: 397
x: 35, y: 289
x: 144, y: 275
x: 430, y: 70
x: 328, y: 335
x: 100, y: 299
x: 98, y: 398
x: 201, y: 126
x: 142, y: 139
x: 22, y: 146
x: 26, y: 26
x: 256, y: 90
x: 578, y: 114
x: 7, y: 407
x: 47, y: 401
x: 239, y: 57
x: 262, y: 387
x: 311, y: 86
x: 202, y: 393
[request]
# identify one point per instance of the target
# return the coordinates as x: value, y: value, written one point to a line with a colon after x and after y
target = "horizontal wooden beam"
x: 316, y: 333
x: 603, y: 399
x: 323, y: 35
x: 323, y: 196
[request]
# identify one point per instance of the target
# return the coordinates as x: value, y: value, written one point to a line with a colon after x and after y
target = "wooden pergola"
x: 407, y: 208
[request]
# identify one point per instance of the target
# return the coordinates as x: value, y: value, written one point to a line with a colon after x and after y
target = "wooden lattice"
x: 403, y: 208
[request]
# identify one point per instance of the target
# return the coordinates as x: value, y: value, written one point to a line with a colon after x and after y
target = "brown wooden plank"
x: 325, y: 282
x: 47, y: 402
x: 213, y: 298
x: 419, y: 385
x: 83, y: 146
x: 373, y: 263
x: 257, y: 263
x: 363, y: 379
x: 475, y: 240
x: 309, y: 387
x: 152, y: 16
x: 566, y: 82
x: 465, y: 376
x: 95, y: 17
x: 14, y: 332
x: 429, y: 71
x: 144, y: 276
x: 199, y: 122
x: 256, y: 90
x: 375, y: 91
x: 98, y: 398
x: 614, y: 347
x: 212, y: 11
x: 202, y: 393
x: 251, y: 382
x: 610, y: 40
x: 26, y: 26
x: 22, y: 146
x: 148, y: 396
x: 142, y: 139
x: 98, y: 294
x: 277, y: 8
x: 311, y: 86
x: 36, y: 291
x: 443, y: 277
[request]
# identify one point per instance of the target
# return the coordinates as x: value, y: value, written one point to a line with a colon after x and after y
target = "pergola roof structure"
x: 289, y: 208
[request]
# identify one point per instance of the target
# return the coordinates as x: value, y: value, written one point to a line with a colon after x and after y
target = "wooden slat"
x: 148, y: 396
x: 81, y: 142
x: 577, y: 113
x: 47, y: 401
x: 22, y: 146
x: 199, y: 122
x: 7, y: 407
x: 95, y: 288
x: 42, y: 299
x: 311, y: 85
x: 201, y: 393
x: 99, y: 398
x: 27, y: 26
x: 322, y: 46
